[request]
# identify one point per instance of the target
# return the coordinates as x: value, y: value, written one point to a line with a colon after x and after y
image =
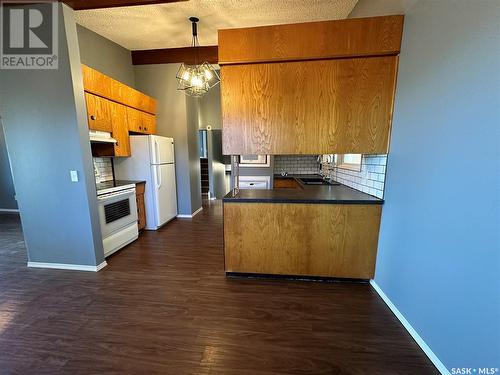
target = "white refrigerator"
x: 153, y: 161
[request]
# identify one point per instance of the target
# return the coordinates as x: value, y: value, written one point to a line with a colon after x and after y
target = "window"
x: 348, y: 161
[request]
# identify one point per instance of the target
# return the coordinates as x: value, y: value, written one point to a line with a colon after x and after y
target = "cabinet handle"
x: 92, y: 117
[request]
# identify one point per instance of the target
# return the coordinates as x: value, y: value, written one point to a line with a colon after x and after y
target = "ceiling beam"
x: 100, y: 4
x: 188, y: 55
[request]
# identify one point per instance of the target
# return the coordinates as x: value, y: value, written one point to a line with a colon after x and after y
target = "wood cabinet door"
x: 120, y: 129
x: 141, y: 211
x: 98, y: 113
x: 95, y: 82
x: 148, y: 123
x: 134, y: 120
x: 141, y: 122
x: 308, y: 107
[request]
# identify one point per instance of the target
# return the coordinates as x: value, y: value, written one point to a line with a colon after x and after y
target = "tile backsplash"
x: 103, y: 169
x: 296, y: 164
x: 370, y: 179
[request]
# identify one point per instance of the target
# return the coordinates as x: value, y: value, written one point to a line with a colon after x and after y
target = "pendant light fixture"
x: 197, y: 79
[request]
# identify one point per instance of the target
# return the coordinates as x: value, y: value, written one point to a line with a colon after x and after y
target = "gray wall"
x: 217, y: 169
x: 7, y: 193
x: 175, y: 119
x: 44, y: 117
x: 439, y: 250
x: 193, y: 151
x: 210, y: 112
x: 105, y: 56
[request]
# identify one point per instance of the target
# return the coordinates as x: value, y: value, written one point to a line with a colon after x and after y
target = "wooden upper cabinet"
x: 134, y: 120
x: 308, y: 107
x: 99, y: 84
x: 140, y: 122
x: 96, y: 83
x: 132, y: 98
x: 149, y: 123
x: 309, y: 88
x: 355, y: 37
x: 120, y: 129
x: 98, y: 113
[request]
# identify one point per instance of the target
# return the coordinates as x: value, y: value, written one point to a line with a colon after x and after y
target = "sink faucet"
x: 284, y: 173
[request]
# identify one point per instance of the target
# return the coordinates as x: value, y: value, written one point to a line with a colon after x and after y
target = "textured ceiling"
x: 167, y: 25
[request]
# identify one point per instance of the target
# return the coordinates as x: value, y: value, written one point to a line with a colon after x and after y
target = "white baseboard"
x: 63, y: 266
x: 419, y: 340
x: 9, y: 210
x: 197, y: 212
x: 181, y: 216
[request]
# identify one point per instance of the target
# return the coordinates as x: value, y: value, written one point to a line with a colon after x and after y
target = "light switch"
x: 74, y: 176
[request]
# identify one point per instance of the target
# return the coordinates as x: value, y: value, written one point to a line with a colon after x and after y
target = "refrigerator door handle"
x: 158, y: 176
x: 157, y: 153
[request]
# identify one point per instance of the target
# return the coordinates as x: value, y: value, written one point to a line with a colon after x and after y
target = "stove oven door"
x: 117, y: 211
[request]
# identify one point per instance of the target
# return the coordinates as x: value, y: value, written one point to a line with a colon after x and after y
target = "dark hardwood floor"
x: 164, y: 306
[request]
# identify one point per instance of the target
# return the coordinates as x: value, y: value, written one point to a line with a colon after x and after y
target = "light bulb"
x: 185, y: 75
x: 208, y: 74
x: 196, y: 81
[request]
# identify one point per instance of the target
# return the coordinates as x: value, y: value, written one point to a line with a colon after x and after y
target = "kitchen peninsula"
x: 316, y: 88
x: 326, y: 231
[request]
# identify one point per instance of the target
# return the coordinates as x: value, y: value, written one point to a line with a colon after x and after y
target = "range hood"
x: 101, y: 137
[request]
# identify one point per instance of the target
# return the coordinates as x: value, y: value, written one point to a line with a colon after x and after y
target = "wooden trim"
x: 100, y: 4
x: 356, y: 37
x: 188, y: 55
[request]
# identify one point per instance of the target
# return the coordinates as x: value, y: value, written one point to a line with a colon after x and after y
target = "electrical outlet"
x: 74, y: 176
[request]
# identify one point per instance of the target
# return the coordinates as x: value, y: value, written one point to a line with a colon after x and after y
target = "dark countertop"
x: 316, y: 194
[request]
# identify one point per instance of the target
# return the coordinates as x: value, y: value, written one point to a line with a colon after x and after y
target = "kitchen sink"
x: 317, y: 181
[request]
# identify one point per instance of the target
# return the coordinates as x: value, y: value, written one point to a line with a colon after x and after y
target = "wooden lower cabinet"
x: 285, y: 183
x: 326, y: 240
x: 141, y: 208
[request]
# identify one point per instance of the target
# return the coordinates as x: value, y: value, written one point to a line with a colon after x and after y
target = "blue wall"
x: 7, y: 193
x: 439, y: 249
x: 44, y: 116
